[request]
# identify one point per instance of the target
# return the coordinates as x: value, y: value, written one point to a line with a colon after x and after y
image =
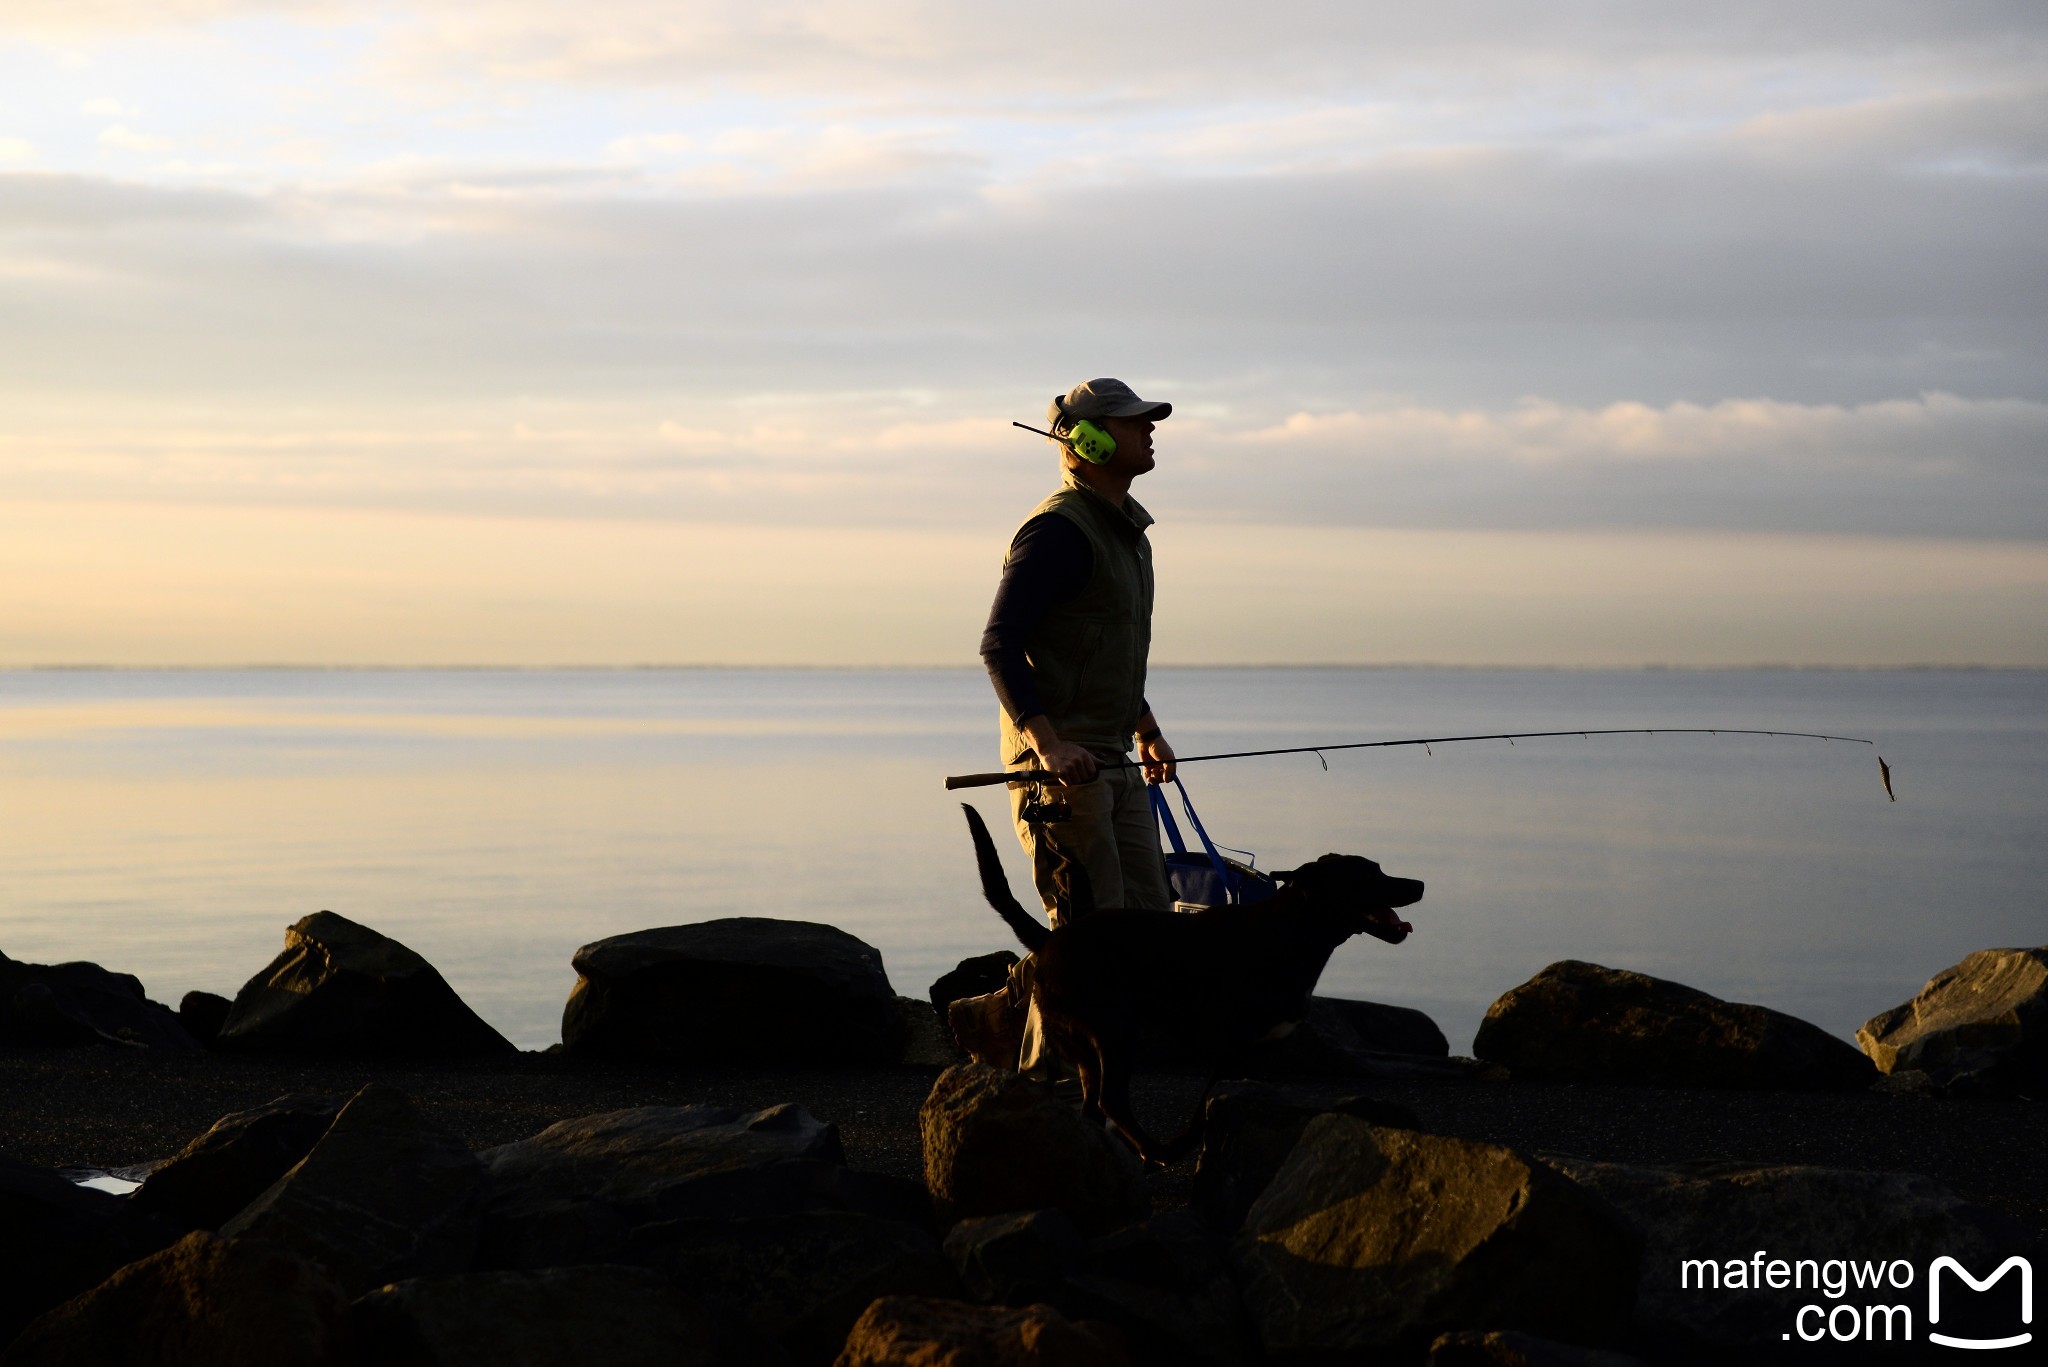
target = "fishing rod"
x: 1023, y: 776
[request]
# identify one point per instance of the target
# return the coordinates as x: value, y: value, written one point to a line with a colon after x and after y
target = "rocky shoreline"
x: 699, y: 1176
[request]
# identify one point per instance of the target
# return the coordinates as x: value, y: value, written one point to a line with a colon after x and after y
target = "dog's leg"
x: 1087, y: 1061
x: 1116, y: 1105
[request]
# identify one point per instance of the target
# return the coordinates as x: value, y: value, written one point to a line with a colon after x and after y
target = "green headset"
x: 1086, y: 440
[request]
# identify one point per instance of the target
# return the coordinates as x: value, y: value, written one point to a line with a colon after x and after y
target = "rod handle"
x: 1003, y: 776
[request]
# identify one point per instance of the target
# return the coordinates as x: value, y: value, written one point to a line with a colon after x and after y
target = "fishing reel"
x: 1038, y: 808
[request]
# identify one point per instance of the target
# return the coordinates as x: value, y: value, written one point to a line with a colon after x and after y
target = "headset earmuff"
x: 1090, y: 442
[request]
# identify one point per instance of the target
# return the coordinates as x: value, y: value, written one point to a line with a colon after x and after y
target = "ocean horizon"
x: 171, y: 822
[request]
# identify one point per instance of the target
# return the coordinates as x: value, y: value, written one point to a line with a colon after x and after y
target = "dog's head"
x: 1358, y: 889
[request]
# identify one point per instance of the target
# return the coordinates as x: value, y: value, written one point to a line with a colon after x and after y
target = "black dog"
x: 1221, y: 979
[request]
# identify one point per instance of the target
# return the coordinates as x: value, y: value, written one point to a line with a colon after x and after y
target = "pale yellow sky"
x: 197, y: 585
x: 690, y: 331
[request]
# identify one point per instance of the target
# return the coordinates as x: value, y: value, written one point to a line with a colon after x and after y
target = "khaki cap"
x: 1102, y: 399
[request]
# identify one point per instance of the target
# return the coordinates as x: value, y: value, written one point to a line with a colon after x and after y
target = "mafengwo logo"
x: 1946, y: 1264
x: 1871, y: 1302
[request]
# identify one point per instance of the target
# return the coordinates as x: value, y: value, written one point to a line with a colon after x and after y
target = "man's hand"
x: 1072, y: 764
x: 1157, y: 757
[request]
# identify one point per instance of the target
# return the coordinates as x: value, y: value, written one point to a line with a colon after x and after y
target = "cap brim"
x: 1139, y: 408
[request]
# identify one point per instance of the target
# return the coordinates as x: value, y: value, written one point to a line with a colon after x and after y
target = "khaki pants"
x: 1113, y: 836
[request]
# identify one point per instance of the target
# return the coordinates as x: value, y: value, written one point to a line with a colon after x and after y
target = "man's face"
x: 1133, y: 444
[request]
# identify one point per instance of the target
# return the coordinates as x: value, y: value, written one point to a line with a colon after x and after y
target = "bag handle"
x: 1165, y: 817
x: 1159, y: 807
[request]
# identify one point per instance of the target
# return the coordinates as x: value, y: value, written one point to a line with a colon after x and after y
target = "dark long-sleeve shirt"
x: 1049, y: 564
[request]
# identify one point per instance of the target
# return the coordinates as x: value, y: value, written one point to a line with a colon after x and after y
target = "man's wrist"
x: 1149, y: 734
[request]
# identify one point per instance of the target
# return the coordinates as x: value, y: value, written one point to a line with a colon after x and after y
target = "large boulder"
x: 995, y: 1141
x: 1581, y: 1022
x: 746, y: 989
x: 210, y: 1180
x: 1373, y: 1239
x: 1016, y: 1258
x: 919, y: 1331
x: 1360, y: 1041
x: 802, y: 1279
x: 1388, y: 1029
x: 1249, y: 1128
x: 1727, y: 1213
x: 58, y: 1239
x: 1978, y: 1026
x: 203, y: 1014
x: 1166, y: 1285
x: 202, y: 1302
x: 385, y: 1194
x: 342, y: 988
x: 82, y: 1003
x: 557, y: 1317
x: 577, y: 1191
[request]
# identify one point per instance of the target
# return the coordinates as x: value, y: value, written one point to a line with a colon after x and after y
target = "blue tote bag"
x: 1205, y: 877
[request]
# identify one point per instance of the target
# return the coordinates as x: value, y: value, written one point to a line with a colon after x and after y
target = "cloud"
x: 1085, y: 54
x: 17, y: 149
x: 128, y: 140
x: 1936, y: 464
x: 75, y: 18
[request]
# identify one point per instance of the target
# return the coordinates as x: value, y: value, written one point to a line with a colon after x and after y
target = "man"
x: 1066, y: 648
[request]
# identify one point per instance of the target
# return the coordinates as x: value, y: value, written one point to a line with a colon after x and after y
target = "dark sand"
x: 109, y: 1108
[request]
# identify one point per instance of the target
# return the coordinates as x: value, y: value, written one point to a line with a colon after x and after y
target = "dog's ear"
x: 1307, y: 873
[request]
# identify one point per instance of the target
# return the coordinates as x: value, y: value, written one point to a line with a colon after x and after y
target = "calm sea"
x: 171, y: 824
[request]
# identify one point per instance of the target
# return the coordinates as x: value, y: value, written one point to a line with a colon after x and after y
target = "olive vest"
x: 1088, y: 654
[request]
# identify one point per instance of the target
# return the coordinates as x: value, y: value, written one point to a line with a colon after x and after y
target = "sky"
x: 668, y: 331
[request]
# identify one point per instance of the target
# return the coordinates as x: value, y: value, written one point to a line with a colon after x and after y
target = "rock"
x: 997, y: 1142
x: 1978, y: 1026
x: 927, y: 1043
x: 202, y: 1302
x: 915, y: 1331
x: 1248, y: 1130
x: 1361, y: 1041
x: 57, y: 1239
x: 802, y: 1280
x: 746, y: 989
x: 1580, y: 1022
x: 990, y: 1028
x: 559, y: 1317
x: 975, y: 977
x: 385, y: 1194
x: 1370, y: 1238
x: 212, y: 1178
x: 630, y: 1156
x: 203, y: 1014
x: 82, y: 1003
x: 1016, y: 1258
x: 1165, y: 1285
x: 575, y: 1192
x: 1477, y: 1348
x: 341, y: 988
x: 1390, y: 1029
x: 1729, y: 1211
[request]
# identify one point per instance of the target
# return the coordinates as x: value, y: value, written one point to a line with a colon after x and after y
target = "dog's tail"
x: 996, y: 888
